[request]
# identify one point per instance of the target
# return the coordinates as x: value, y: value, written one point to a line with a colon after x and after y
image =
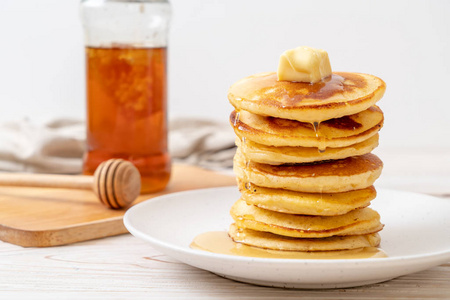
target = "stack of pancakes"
x: 303, y: 162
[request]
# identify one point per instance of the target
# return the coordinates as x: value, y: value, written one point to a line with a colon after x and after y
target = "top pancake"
x: 335, y: 96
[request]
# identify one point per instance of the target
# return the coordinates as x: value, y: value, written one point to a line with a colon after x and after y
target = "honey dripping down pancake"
x: 272, y: 155
x: 303, y: 163
x: 334, y: 133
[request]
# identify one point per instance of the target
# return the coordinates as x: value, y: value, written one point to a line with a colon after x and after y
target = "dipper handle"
x: 116, y: 182
x: 46, y: 180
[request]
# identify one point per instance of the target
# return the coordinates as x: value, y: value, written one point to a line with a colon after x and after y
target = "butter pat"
x: 304, y: 64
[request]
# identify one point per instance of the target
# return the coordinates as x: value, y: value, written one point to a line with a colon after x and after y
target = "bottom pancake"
x: 272, y: 241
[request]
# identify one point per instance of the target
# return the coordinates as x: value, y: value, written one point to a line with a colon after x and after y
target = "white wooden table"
x: 124, y: 267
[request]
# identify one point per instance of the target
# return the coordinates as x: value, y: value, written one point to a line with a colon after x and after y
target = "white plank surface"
x: 126, y: 267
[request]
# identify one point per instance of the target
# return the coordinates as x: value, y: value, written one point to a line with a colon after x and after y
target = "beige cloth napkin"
x: 58, y: 146
x: 202, y: 142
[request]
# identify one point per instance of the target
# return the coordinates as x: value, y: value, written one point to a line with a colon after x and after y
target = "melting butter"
x: 304, y: 64
x: 219, y: 242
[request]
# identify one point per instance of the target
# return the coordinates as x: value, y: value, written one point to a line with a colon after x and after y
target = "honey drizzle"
x: 266, y: 89
x: 321, y: 140
x: 236, y: 119
x: 246, y: 179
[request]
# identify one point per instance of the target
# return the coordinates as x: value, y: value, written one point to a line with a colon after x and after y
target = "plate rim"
x: 436, y: 256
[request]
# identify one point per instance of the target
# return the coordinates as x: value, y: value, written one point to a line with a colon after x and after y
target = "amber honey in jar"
x: 126, y: 86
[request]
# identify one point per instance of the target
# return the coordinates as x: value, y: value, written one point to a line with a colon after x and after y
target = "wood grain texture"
x: 42, y: 217
x: 124, y: 267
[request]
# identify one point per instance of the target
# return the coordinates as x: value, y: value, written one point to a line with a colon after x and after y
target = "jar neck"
x: 132, y: 23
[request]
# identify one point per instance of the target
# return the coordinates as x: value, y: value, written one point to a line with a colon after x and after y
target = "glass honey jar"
x: 126, y: 86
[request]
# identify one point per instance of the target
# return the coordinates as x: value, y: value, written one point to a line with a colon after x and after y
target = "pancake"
x: 338, y: 95
x: 272, y: 241
x: 321, y: 204
x: 352, y: 173
x: 334, y: 133
x: 356, y: 222
x: 294, y: 155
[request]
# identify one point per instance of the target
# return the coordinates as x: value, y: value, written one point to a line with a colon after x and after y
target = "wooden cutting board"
x: 43, y: 217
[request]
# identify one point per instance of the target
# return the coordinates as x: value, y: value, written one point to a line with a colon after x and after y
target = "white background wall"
x: 213, y: 43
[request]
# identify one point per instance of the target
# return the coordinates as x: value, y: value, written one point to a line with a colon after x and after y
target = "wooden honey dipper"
x: 116, y: 182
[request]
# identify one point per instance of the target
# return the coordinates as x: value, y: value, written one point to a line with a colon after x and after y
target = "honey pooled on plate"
x: 219, y: 242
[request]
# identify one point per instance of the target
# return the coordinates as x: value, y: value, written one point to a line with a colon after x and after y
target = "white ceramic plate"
x: 416, y: 237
